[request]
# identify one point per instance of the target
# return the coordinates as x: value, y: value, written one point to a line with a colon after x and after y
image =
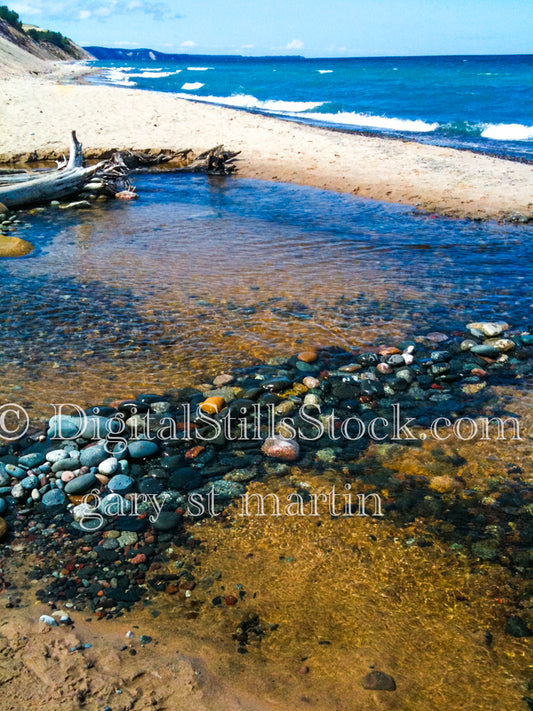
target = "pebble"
x: 47, y: 620
x: 3, y: 528
x: 311, y: 382
x: 108, y: 466
x: 54, y: 499
x: 81, y: 484
x: 485, y: 351
x: 278, y: 448
x: 488, y: 328
x: 379, y: 681
x: 212, y: 405
x: 222, y: 379
x: 142, y: 449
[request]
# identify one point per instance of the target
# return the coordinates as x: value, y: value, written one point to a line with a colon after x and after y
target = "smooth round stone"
x: 439, y: 356
x: 108, y: 466
x: 54, y: 499
x: 379, y: 681
x: 278, y: 448
x: 4, y: 478
x: 93, y: 456
x: 212, y: 405
x: 32, y: 460
x: 142, y: 448
x: 312, y: 399
x: 97, y: 427
x: 67, y: 476
x: 396, y: 360
x: 56, y: 455
x: 63, y: 465
x: 36, y: 495
x: 120, y: 484
x: 17, y: 492
x: 437, y: 337
x: 485, y: 351
x: 104, y: 480
x: 490, y: 329
x: 305, y: 367
x: 30, y: 482
x: 17, y: 472
x: 124, y: 466
x: 369, y: 359
x: 81, y: 511
x: 3, y: 506
x: 114, y: 505
x: 384, y: 368
x: 311, y: 382
x: 222, y: 379
x: 467, y: 344
x: 307, y: 356
x: 167, y: 521
x: 502, y: 344
x: 81, y: 484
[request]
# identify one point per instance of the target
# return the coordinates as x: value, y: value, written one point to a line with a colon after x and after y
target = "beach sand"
x: 38, y: 112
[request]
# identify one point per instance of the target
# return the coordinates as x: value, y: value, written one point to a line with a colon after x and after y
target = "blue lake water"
x: 203, y: 274
x: 483, y: 103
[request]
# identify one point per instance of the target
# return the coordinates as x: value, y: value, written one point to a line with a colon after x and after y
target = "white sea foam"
x: 243, y: 101
x: 192, y: 86
x: 198, y: 69
x: 117, y: 77
x: 325, y: 71
x: 344, y: 118
x: 154, y: 75
x: 508, y: 132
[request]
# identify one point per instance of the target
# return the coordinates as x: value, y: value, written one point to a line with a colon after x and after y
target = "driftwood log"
x: 109, y: 177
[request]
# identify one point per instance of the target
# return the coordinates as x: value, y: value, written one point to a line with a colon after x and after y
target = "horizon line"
x: 301, y: 56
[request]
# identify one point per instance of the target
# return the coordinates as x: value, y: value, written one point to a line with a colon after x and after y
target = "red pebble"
x: 139, y: 558
x: 230, y: 600
x: 194, y: 452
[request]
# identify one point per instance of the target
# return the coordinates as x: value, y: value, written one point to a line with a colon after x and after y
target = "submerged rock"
x: 379, y: 681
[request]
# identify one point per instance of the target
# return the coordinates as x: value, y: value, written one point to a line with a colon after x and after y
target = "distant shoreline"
x: 39, y: 112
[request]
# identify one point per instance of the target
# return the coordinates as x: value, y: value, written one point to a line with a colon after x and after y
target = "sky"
x: 313, y: 28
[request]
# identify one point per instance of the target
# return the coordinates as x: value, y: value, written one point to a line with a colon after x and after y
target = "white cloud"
x: 295, y: 44
x: 247, y: 46
x: 23, y: 9
x: 62, y: 9
x: 188, y: 43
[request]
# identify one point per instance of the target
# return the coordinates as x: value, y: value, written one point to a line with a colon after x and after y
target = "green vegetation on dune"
x: 11, y: 17
x: 36, y: 34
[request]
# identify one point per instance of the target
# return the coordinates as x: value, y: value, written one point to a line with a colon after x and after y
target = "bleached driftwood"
x: 32, y: 188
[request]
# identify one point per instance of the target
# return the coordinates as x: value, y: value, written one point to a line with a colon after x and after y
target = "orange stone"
x: 194, y: 452
x: 212, y: 405
x: 388, y: 350
x: 307, y: 356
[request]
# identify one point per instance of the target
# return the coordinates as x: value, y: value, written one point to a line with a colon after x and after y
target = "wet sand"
x: 37, y: 114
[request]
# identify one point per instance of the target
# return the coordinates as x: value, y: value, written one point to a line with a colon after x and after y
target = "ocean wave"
x: 192, y: 86
x: 198, y: 69
x: 243, y: 101
x: 149, y: 74
x: 508, y: 132
x: 325, y: 71
x: 344, y: 118
x: 117, y: 77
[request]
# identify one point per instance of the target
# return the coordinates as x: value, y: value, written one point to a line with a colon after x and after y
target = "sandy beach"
x: 38, y: 112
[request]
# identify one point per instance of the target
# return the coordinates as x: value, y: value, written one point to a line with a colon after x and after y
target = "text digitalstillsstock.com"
x: 260, y: 422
